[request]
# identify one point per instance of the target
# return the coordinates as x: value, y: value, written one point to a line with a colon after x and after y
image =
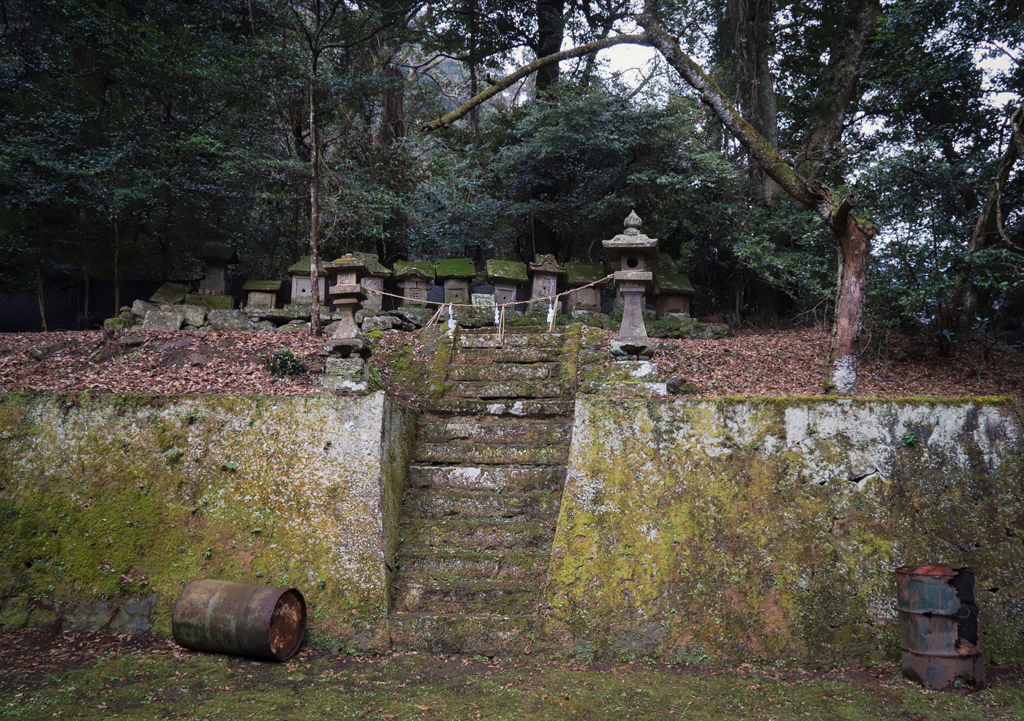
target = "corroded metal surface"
x: 264, y: 622
x: 939, y: 634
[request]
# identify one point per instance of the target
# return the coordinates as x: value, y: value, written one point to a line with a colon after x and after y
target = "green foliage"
x: 285, y: 363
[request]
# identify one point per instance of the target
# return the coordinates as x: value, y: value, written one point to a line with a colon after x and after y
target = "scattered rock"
x: 384, y: 322
x: 132, y: 341
x: 678, y: 386
x: 412, y: 315
x: 140, y: 308
x: 220, y: 319
x: 364, y: 313
x: 116, y: 323
x: 195, y: 315
x: 197, y: 359
x: 294, y: 327
x: 184, y: 342
x: 163, y: 320
x: 42, y: 352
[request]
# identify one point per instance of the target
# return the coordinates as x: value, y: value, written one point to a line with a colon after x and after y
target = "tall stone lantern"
x: 348, y: 295
x: 630, y: 251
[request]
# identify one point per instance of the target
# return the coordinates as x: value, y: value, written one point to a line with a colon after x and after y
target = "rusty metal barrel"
x: 939, y: 631
x: 262, y: 622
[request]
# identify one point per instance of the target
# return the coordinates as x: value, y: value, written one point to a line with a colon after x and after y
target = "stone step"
x: 521, y: 478
x: 504, y: 389
x: 481, y: 356
x: 477, y: 634
x: 511, y: 340
x: 495, y: 372
x: 521, y: 431
x: 513, y: 599
x: 469, y: 566
x: 506, y: 409
x: 447, y: 502
x: 456, y: 534
x: 457, y: 452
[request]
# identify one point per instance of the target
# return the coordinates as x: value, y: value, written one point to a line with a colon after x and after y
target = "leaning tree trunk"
x: 854, y: 242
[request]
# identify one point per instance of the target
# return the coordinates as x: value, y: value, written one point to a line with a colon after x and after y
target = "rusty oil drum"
x: 262, y: 622
x: 939, y: 632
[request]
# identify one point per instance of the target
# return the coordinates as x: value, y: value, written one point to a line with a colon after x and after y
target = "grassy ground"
x: 93, y: 676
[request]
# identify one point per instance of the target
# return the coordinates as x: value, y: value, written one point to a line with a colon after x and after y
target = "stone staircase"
x: 485, y: 486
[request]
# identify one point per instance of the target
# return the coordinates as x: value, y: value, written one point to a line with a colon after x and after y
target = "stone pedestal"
x: 631, y: 250
x: 261, y: 293
x: 545, y: 272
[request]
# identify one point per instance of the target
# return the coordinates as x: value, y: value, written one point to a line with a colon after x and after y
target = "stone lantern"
x: 545, y: 272
x: 630, y: 251
x: 415, y: 280
x: 376, y: 274
x: 216, y: 257
x: 347, y: 295
x: 505, y: 276
x: 302, y: 287
x: 585, y: 299
x: 456, y: 275
x: 674, y: 292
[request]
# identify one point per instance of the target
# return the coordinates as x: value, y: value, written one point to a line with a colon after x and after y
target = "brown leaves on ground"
x: 225, y: 363
x: 793, y: 363
x: 750, y: 363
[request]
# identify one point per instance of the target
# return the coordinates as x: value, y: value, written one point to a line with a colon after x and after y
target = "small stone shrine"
x: 545, y: 272
x: 302, y: 286
x: 373, y: 282
x: 347, y: 295
x: 673, y: 293
x: 630, y: 250
x: 261, y: 293
x: 586, y: 299
x: 415, y: 280
x: 216, y: 257
x: 506, y: 276
x: 456, y: 275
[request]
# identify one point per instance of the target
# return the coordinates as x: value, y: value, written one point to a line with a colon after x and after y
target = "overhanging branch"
x: 527, y: 70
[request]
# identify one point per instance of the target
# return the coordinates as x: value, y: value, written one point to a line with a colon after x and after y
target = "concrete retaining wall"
x: 117, y: 501
x: 728, y: 530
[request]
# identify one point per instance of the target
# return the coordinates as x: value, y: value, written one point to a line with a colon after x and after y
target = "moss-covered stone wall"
x: 117, y: 501
x: 768, y: 530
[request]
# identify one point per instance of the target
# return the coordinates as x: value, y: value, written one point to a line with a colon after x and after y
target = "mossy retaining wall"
x: 768, y: 530
x: 118, y: 501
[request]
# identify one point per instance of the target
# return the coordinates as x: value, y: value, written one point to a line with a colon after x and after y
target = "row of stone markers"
x: 359, y: 288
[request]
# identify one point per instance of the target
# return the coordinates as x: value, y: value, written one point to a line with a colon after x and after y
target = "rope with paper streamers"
x: 499, y: 308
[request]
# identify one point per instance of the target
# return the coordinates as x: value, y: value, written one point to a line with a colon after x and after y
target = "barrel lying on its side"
x: 264, y: 622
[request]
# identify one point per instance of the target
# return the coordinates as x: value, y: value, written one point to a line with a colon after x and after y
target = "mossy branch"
x: 527, y: 70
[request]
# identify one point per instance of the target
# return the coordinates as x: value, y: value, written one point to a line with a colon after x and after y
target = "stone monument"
x: 376, y: 274
x: 302, y: 287
x: 546, y: 272
x: 630, y: 250
x: 347, y: 294
x: 505, y: 276
x: 261, y: 293
x: 216, y: 257
x: 415, y: 280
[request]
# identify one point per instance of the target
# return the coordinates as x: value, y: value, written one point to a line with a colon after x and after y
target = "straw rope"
x: 502, y: 306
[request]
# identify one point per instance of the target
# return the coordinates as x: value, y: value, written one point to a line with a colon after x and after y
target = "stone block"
x: 384, y: 322
x: 195, y: 315
x: 345, y: 374
x: 141, y: 307
x: 294, y: 327
x: 163, y: 320
x: 169, y: 293
x: 220, y: 319
x: 222, y: 302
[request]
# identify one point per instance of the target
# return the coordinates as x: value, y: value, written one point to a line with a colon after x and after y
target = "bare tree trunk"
x: 854, y: 242
x: 314, y: 218
x: 42, y: 297
x: 117, y: 269
x: 87, y: 278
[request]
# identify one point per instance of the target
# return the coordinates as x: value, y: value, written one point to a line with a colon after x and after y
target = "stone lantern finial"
x: 633, y: 223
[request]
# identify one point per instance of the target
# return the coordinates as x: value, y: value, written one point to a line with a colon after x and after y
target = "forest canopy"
x: 135, y: 131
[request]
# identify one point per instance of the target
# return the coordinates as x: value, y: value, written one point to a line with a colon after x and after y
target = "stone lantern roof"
x: 302, y: 268
x: 510, y: 271
x: 406, y: 269
x: 583, y: 273
x: 631, y: 242
x: 455, y: 268
x: 373, y: 266
x: 346, y: 263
